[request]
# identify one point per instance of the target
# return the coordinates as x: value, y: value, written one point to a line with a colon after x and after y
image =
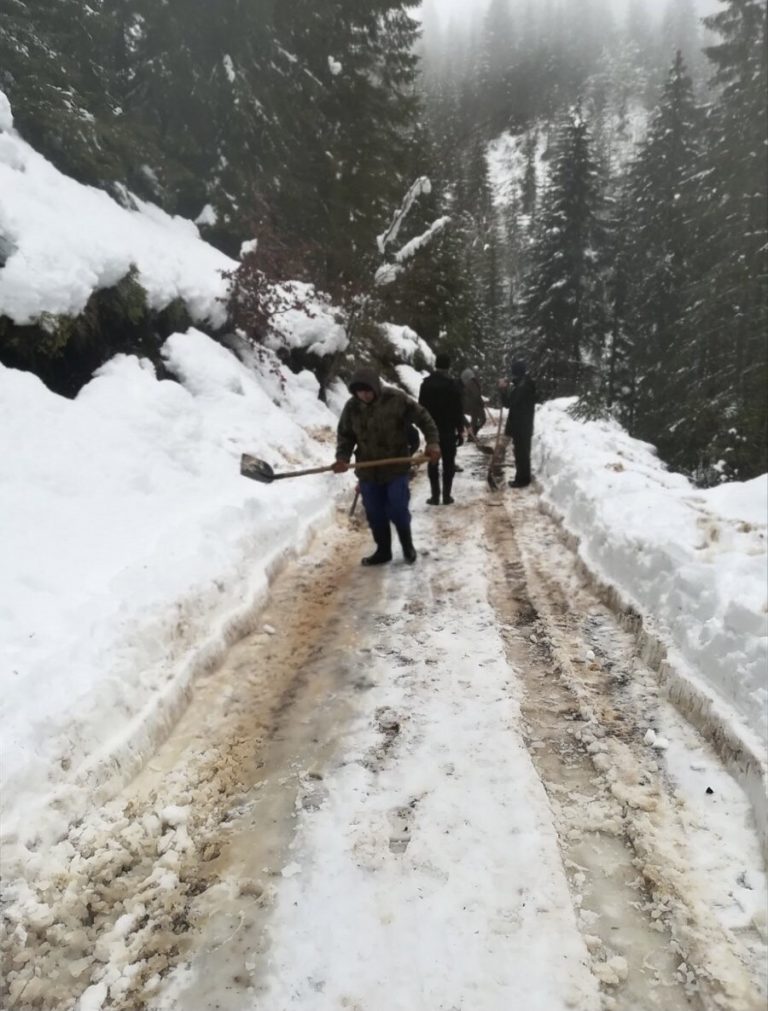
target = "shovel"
x: 488, y: 450
x: 493, y: 484
x: 259, y: 470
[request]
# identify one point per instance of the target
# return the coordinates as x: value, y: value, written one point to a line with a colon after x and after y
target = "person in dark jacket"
x: 440, y: 394
x: 374, y: 426
x: 520, y: 397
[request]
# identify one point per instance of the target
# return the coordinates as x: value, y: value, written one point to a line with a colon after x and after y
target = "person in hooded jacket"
x: 520, y: 397
x: 374, y: 426
x: 441, y: 395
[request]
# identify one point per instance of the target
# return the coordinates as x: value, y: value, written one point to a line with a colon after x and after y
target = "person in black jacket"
x: 520, y: 397
x: 440, y: 394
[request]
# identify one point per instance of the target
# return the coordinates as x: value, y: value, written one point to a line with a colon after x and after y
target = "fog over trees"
x: 456, y: 12
x: 612, y: 163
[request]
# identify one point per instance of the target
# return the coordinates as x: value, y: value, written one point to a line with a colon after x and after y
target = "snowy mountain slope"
x: 506, y: 154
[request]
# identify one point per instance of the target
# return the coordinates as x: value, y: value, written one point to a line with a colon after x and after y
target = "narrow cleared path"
x: 416, y: 787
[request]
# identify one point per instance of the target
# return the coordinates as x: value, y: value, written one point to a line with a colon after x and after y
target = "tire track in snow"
x: 589, y: 702
x: 431, y: 878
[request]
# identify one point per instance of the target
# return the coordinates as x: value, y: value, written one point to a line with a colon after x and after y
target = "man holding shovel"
x: 374, y: 426
x: 520, y: 398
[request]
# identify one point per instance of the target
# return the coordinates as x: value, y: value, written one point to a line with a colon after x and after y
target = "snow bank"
x: 407, y: 344
x: 410, y: 379
x: 317, y: 326
x: 693, y: 562
x: 67, y: 241
x: 6, y: 116
x: 131, y: 549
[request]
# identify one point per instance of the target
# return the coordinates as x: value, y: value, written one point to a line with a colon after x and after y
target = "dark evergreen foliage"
x: 294, y: 121
x: 658, y: 246
x: 727, y: 305
x: 639, y: 283
x: 562, y: 316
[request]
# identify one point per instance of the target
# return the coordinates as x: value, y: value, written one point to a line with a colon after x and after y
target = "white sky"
x: 470, y: 9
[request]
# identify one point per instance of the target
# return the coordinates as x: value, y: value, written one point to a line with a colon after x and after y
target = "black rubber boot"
x: 409, y: 552
x: 434, y: 483
x: 383, y: 552
x: 447, y: 485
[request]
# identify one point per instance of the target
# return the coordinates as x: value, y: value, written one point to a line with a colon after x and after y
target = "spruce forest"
x: 602, y: 173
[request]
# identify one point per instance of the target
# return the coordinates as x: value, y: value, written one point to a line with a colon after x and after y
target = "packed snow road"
x: 454, y: 785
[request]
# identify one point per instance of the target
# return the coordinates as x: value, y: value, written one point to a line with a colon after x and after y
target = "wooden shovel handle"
x: 302, y: 473
x: 422, y: 458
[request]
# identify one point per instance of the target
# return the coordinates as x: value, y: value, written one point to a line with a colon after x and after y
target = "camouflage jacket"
x: 379, y: 430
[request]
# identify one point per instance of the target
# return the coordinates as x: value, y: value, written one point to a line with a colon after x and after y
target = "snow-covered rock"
x: 67, y: 241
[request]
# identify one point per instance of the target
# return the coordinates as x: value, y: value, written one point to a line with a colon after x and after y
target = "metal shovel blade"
x: 258, y: 470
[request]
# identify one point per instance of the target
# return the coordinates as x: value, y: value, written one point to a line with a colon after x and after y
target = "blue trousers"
x: 386, y: 503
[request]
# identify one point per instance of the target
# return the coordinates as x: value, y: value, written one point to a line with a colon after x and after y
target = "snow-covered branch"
x: 418, y: 241
x: 388, y: 272
x: 422, y: 186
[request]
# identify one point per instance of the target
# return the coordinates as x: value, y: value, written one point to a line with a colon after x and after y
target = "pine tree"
x: 681, y: 30
x: 353, y: 150
x: 483, y: 260
x: 727, y: 318
x: 198, y: 81
x: 530, y: 181
x: 52, y: 69
x: 657, y: 262
x: 562, y: 318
